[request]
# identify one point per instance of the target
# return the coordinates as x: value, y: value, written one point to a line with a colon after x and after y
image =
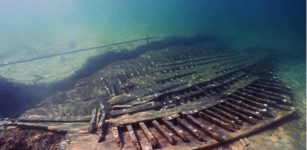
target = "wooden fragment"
x: 121, y: 106
x: 138, y: 108
x: 184, y: 74
x: 120, y: 99
x: 208, y: 130
x: 264, y: 111
x: 255, y: 89
x: 169, y: 136
x: 271, y: 88
x: 243, y: 104
x: 181, y: 133
x: 217, y: 121
x: 133, y: 137
x: 250, y: 129
x: 101, y: 123
x: 116, y: 137
x: 260, y: 100
x: 269, y: 97
x: 216, y: 115
x: 248, y: 119
x: 100, y: 115
x: 151, y: 114
x: 273, y: 84
x: 145, y: 115
x: 198, y: 134
x: 93, y: 123
x: 36, y: 127
x: 228, y: 115
x: 254, y: 103
x: 171, y: 117
x: 148, y: 134
x: 145, y: 145
x: 243, y: 110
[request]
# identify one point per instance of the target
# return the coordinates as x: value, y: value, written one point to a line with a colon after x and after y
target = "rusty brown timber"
x: 180, y: 97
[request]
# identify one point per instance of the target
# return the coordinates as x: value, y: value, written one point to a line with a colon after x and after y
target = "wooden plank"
x: 181, y: 133
x: 169, y: 136
x: 198, y: 134
x: 133, y: 137
x: 116, y: 136
x: 208, y: 130
x: 204, y: 102
x: 148, y: 134
x: 248, y: 130
x: 93, y: 123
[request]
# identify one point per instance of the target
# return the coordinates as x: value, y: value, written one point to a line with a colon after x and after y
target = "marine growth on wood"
x: 179, y: 97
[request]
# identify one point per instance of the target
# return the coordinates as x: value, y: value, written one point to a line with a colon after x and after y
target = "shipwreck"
x: 196, y: 95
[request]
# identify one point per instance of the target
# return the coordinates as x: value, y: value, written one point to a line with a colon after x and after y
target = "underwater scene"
x: 152, y: 74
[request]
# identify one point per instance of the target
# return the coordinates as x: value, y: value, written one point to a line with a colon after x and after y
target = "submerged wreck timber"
x: 195, y: 96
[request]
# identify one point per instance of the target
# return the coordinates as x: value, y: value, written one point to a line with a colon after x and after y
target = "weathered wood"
x: 217, y: 121
x: 121, y: 99
x: 181, y: 133
x: 248, y: 119
x: 116, y: 136
x: 216, y: 115
x: 260, y: 100
x: 99, y: 116
x: 247, y: 130
x: 226, y: 114
x: 243, y: 110
x: 138, y: 108
x: 168, y: 135
x: 36, y: 127
x: 101, y: 123
x: 148, y: 134
x: 281, y: 96
x: 198, y: 134
x: 264, y: 111
x: 271, y: 88
x: 254, y: 103
x: 268, y: 97
x: 121, y: 106
x: 93, y: 123
x: 162, y: 89
x: 197, y: 105
x: 208, y: 130
x: 133, y: 138
x: 279, y: 84
x: 145, y: 145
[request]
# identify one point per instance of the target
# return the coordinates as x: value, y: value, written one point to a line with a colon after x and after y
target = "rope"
x: 77, y: 51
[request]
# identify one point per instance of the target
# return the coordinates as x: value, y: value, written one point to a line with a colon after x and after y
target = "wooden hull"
x: 179, y: 97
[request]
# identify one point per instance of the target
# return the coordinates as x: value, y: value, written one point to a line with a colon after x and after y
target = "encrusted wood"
x: 179, y: 97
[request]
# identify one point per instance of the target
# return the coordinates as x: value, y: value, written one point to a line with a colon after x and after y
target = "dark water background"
x: 39, y: 26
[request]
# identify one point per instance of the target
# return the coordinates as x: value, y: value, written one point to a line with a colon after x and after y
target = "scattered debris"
x: 29, y: 137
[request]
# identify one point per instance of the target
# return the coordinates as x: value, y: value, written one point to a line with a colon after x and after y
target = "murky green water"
x: 44, y: 26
